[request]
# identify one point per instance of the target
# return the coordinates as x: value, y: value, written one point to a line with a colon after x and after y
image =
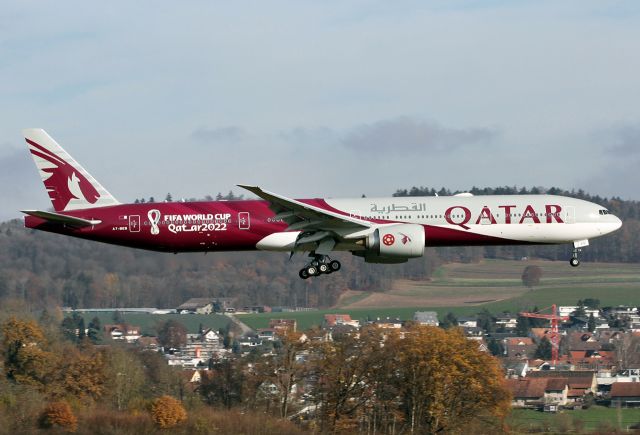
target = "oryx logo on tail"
x: 62, y: 181
x: 69, y: 185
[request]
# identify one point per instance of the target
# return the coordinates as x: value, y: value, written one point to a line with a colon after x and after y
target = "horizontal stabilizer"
x: 61, y: 218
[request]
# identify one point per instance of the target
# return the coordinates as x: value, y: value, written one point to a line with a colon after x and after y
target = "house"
x: 148, y: 343
x: 282, y: 326
x: 331, y: 320
x: 515, y: 368
x: 388, y: 323
x: 429, y: 318
x: 583, y: 381
x: 592, y: 359
x: 527, y: 392
x: 210, y: 335
x: 122, y: 331
x: 266, y: 334
x: 468, y: 322
x: 625, y: 394
x: 583, y: 340
x: 223, y: 305
x: 519, y: 347
x: 506, y: 321
x: 556, y: 391
x: 196, y: 306
x: 565, y: 311
x: 538, y: 392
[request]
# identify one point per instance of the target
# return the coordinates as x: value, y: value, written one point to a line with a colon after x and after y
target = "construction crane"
x: 554, y: 336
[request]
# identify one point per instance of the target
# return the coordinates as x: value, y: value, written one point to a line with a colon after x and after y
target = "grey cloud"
x: 407, y: 134
x: 316, y: 136
x: 231, y: 134
x: 625, y: 141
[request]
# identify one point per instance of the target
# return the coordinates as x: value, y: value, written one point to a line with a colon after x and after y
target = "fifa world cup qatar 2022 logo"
x: 154, y: 219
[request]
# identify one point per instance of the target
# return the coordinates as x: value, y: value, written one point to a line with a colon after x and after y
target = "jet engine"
x: 394, y: 244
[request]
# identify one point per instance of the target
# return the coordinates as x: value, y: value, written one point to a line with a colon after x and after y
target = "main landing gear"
x: 575, y: 261
x: 320, y: 264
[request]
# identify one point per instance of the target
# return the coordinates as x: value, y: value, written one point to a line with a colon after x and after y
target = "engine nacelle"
x: 395, y: 242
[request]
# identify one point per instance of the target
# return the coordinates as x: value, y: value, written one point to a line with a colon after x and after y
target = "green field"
x: 148, y: 322
x: 495, y: 285
x: 596, y: 418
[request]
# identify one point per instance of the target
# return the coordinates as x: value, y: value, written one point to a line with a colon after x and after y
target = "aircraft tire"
x: 574, y: 262
x: 303, y: 273
x: 335, y: 266
x: 312, y: 271
x: 324, y: 268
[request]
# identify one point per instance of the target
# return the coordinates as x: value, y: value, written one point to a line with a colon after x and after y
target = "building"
x: 519, y: 347
x: 122, y: 331
x: 331, y: 320
x: 282, y: 326
x: 507, y: 321
x: 196, y: 306
x: 429, y: 318
x: 625, y: 394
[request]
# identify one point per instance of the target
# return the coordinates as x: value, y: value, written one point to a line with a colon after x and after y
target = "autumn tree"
x: 348, y: 370
x: 125, y: 375
x: 531, y: 276
x: 446, y: 382
x: 283, y: 370
x: 59, y: 414
x: 26, y: 359
x: 223, y: 384
x: 172, y: 334
x: 167, y: 412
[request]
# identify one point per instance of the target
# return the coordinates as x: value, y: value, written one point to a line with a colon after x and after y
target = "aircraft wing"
x: 316, y: 224
x: 287, y: 207
x: 61, y: 218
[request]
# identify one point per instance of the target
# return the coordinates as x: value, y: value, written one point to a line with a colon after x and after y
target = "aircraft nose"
x: 617, y: 223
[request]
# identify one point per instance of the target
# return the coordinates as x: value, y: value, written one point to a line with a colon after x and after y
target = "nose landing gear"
x: 319, y: 265
x: 575, y: 261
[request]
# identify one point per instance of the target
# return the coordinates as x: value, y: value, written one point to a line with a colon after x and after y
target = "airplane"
x: 380, y: 230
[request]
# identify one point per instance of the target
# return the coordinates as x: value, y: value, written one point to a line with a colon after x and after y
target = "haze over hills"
x: 48, y: 270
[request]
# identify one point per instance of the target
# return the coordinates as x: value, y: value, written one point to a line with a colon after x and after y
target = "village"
x: 591, y: 357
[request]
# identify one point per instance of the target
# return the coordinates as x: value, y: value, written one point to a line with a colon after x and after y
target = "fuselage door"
x: 134, y: 224
x: 244, y: 222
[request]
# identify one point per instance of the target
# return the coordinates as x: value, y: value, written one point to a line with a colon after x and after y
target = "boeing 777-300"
x: 380, y: 230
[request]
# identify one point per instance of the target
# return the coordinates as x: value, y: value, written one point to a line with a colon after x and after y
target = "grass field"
x: 465, y: 289
x: 148, y: 322
x: 597, y: 418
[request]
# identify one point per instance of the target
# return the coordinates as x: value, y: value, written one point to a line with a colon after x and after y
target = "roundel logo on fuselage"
x: 388, y: 239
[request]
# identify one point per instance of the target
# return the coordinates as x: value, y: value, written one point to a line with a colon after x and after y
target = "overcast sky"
x: 323, y: 98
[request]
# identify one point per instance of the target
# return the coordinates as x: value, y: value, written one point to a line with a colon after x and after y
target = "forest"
x: 44, y: 270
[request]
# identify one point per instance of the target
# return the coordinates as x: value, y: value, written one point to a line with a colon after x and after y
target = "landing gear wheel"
x: 303, y: 273
x: 324, y: 268
x: 574, y: 262
x: 335, y: 266
x: 312, y: 271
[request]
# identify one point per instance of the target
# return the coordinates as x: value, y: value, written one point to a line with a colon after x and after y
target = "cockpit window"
x: 603, y: 212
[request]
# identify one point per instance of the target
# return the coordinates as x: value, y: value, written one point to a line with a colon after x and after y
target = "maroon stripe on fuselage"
x: 231, y: 239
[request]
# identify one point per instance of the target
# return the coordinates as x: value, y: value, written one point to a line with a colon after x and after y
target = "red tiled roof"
x: 556, y: 384
x: 625, y: 389
x: 519, y: 341
x: 524, y: 388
